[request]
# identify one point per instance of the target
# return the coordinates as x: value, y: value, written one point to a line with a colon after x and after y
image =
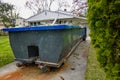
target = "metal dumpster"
x: 45, y: 45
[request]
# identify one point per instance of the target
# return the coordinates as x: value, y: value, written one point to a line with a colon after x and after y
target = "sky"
x: 22, y: 10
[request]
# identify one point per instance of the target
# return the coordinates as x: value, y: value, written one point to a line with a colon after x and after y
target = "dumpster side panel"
x: 67, y: 40
x: 21, y: 41
x: 70, y: 38
x: 18, y: 48
x: 50, y: 46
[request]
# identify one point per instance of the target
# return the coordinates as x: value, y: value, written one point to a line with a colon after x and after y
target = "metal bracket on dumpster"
x: 25, y: 60
x: 47, y: 63
x: 44, y: 68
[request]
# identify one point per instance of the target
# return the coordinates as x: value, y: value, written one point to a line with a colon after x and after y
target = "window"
x: 39, y: 23
x: 34, y: 23
x: 31, y: 24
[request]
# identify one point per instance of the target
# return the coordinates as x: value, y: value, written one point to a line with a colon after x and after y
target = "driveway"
x: 73, y: 69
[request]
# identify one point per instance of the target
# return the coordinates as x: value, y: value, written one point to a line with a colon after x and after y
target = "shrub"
x: 3, y: 33
x: 104, y: 22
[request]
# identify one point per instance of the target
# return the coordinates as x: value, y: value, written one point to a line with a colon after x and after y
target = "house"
x: 55, y: 17
x: 20, y: 22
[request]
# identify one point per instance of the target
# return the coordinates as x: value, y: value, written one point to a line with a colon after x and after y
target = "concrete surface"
x: 77, y: 63
x: 11, y: 67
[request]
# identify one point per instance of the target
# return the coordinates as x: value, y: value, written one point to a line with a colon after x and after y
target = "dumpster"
x: 47, y: 46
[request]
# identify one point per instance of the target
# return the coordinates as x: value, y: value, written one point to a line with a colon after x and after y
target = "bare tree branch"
x: 79, y: 7
x: 63, y: 4
x: 39, y: 5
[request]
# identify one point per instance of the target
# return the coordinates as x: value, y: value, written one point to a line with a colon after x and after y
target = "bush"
x: 3, y: 33
x: 104, y: 22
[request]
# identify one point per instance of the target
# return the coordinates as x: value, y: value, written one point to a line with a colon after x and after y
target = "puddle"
x: 33, y: 73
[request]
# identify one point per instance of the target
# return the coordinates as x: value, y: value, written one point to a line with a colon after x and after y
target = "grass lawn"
x: 94, y: 71
x: 6, y: 55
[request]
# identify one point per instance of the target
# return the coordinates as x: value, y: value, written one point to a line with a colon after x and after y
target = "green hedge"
x: 104, y: 23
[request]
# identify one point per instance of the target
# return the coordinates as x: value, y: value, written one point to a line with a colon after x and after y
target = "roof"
x: 50, y: 15
x: 40, y: 28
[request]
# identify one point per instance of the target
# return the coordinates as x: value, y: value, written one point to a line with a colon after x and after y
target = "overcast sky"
x: 20, y: 6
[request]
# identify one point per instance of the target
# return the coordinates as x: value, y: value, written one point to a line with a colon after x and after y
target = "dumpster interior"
x: 33, y: 51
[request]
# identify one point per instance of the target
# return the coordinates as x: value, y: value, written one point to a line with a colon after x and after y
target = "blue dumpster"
x: 45, y: 45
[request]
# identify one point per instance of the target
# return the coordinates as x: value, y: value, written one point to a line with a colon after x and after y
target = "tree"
x: 104, y: 23
x: 6, y: 14
x: 63, y: 4
x: 39, y: 5
x: 79, y: 7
